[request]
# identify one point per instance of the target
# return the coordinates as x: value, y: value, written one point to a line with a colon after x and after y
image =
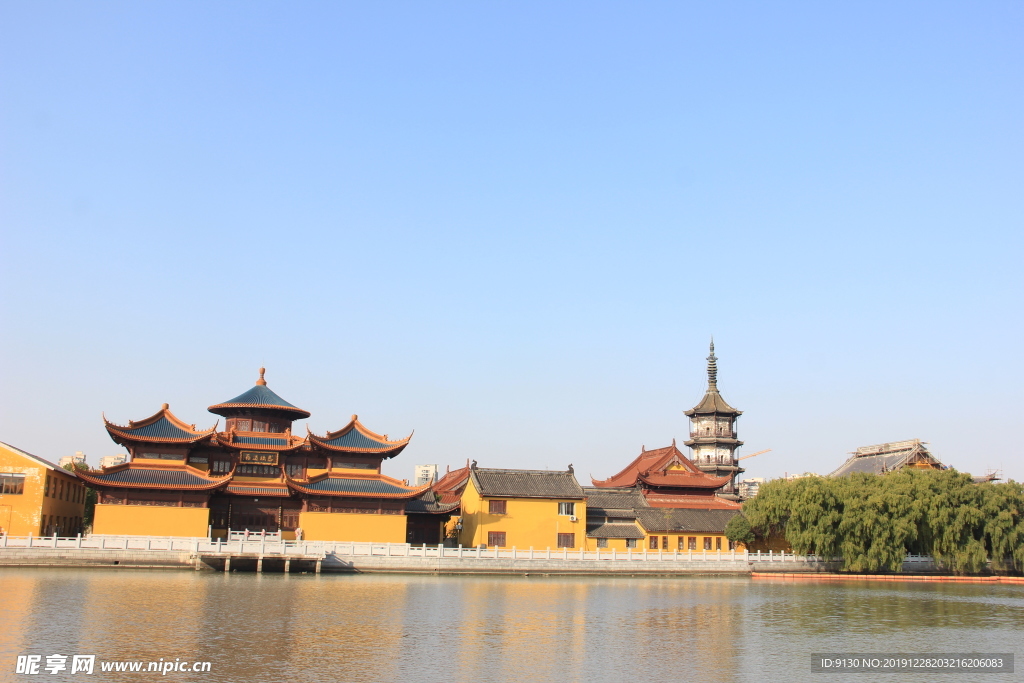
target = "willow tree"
x: 873, y: 521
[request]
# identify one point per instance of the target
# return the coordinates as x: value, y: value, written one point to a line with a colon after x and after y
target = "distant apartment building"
x: 71, y: 460
x: 749, y: 487
x: 424, y: 474
x: 112, y: 461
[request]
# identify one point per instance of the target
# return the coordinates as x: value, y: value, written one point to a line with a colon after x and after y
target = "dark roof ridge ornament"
x: 262, y: 382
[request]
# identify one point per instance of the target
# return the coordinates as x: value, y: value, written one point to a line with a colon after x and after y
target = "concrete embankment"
x: 88, y: 557
x: 264, y: 555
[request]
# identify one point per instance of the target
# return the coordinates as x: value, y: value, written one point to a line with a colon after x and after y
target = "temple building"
x: 254, y: 475
x: 886, y: 457
x: 713, y: 443
x: 541, y: 509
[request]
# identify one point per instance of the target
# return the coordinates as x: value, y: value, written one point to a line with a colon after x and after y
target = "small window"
x: 602, y: 543
x: 718, y: 543
x: 664, y: 542
x: 496, y: 539
x: 567, y: 508
x: 12, y: 484
x: 682, y: 543
x: 566, y: 540
x: 496, y: 507
x: 630, y: 542
x: 243, y: 425
x: 654, y: 543
x: 691, y: 543
x: 707, y: 543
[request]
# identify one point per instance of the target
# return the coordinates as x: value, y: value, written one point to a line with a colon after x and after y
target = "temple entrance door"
x: 255, y: 515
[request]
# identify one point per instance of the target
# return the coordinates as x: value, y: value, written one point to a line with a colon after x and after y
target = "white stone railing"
x: 353, y: 549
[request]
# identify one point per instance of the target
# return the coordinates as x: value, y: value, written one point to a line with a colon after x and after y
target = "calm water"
x: 343, y: 628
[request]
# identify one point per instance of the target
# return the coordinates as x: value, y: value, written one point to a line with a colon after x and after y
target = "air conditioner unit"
x: 572, y: 518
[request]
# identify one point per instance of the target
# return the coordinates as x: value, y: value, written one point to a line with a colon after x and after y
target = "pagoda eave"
x: 711, y: 440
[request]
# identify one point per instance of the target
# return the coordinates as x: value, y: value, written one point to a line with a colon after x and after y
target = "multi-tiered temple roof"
x: 255, y: 454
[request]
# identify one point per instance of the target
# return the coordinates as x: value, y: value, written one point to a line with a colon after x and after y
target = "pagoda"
x: 713, y: 443
x: 668, y: 478
x: 253, y: 476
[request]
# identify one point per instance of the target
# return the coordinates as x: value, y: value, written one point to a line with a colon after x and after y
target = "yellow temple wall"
x: 673, y: 542
x: 150, y: 520
x: 41, y: 507
x: 527, y: 522
x: 344, y: 526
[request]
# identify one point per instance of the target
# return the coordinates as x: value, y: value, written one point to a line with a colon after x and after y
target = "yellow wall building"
x: 523, y: 509
x: 38, y: 497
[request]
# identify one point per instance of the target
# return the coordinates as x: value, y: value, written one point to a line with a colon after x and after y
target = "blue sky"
x: 513, y: 227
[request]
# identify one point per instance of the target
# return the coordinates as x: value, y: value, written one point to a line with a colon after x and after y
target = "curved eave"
x: 98, y: 481
x: 386, y: 447
x: 685, y: 481
x: 618, y: 480
x: 227, y: 443
x: 128, y: 432
x: 383, y: 451
x: 406, y: 495
x: 225, y: 409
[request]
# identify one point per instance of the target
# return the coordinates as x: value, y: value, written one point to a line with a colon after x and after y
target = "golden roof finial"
x: 165, y: 406
x: 261, y: 382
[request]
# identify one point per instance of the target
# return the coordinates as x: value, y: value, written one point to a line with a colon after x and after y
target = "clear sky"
x: 513, y: 227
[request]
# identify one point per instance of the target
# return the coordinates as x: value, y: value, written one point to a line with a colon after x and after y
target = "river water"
x: 341, y: 628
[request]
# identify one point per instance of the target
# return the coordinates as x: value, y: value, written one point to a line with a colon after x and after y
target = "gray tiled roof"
x: 885, y: 458
x: 161, y: 429
x: 428, y: 503
x: 144, y: 476
x: 526, y: 483
x: 676, y: 519
x: 615, y: 531
x: 340, y: 485
x: 356, y: 439
x: 614, y: 499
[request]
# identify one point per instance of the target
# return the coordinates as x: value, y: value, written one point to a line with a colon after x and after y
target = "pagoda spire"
x: 712, y: 368
x: 262, y: 382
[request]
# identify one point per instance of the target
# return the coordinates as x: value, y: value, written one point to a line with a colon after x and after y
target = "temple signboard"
x: 257, y: 458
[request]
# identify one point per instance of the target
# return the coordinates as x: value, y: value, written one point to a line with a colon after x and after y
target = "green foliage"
x: 873, y: 521
x: 738, y: 530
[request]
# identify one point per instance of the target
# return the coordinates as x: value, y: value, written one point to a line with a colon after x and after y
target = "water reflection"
x: 395, y: 628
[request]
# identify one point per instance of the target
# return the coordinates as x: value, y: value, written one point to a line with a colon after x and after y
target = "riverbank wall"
x: 258, y: 554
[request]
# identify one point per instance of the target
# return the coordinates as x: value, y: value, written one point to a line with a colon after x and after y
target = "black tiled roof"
x: 614, y: 499
x: 615, y: 531
x: 677, y: 519
x: 526, y: 483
